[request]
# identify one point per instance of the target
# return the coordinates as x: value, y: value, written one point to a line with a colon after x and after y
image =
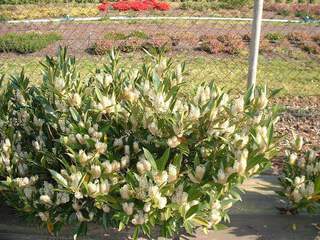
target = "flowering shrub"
x: 310, y: 47
x: 298, y: 37
x: 137, y: 5
x: 124, y: 147
x: 212, y: 46
x: 103, y: 7
x: 227, y: 43
x: 301, y: 178
x: 102, y: 47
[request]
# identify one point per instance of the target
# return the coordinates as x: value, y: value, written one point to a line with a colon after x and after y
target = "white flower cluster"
x: 300, y: 176
x: 130, y: 146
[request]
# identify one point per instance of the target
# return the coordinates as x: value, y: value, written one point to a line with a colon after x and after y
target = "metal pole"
x: 255, y: 42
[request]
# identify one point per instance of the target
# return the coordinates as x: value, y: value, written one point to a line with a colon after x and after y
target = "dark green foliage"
x: 26, y: 42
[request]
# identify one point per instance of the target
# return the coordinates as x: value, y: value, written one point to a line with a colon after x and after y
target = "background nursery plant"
x: 126, y: 147
x: 301, y: 178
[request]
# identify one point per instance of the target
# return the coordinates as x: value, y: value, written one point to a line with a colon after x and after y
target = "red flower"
x: 162, y: 6
x: 139, y: 6
x: 103, y: 7
x: 121, y: 6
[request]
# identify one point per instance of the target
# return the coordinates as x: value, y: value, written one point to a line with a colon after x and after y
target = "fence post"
x: 255, y: 42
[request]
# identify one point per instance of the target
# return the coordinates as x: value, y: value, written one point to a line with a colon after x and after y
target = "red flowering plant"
x: 141, y: 5
x: 103, y: 7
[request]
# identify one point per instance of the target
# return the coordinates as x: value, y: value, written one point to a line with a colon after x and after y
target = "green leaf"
x: 317, y: 184
x: 75, y: 115
x: 177, y: 161
x: 59, y: 178
x: 150, y: 158
x: 162, y: 162
x: 193, y: 210
x: 136, y: 233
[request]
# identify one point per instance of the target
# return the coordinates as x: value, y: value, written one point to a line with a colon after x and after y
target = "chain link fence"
x: 215, y: 48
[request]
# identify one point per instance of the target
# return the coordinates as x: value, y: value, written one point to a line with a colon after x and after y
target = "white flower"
x: 143, y: 166
x: 107, y: 166
x: 93, y: 189
x: 222, y: 178
x: 59, y: 84
x: 262, y: 101
x: 215, y: 216
x: 147, y: 207
x: 45, y: 199
x: 237, y: 106
x: 125, y: 161
x: 293, y: 158
x: 173, y: 172
x: 309, y: 189
x: 200, y: 171
x: 179, y: 73
x: 104, y: 187
x: 312, y: 155
x: 44, y: 216
x: 153, y: 128
x: 100, y: 147
x: 296, y: 195
x: 161, y: 178
x: 153, y: 192
x: 75, y: 100
x: 180, y: 197
x: 138, y: 219
x: 299, y: 180
x: 127, y: 150
x: 162, y: 202
x: 241, y: 160
x: 240, y: 141
x: 262, y: 138
x: 128, y: 208
x: 124, y: 192
x: 115, y: 166
x: 83, y: 157
x: 62, y: 198
x: 194, y: 113
x: 216, y: 205
x: 131, y: 94
x: 118, y: 142
x: 105, y: 208
x: 95, y: 171
x: 136, y: 148
x: 173, y: 142
x: 36, y: 145
x: 22, y: 182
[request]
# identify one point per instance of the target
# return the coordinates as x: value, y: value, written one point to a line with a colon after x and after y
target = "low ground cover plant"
x: 294, y: 9
x: 27, y: 42
x: 300, y: 179
x: 228, y: 43
x: 137, y: 5
x: 123, y: 147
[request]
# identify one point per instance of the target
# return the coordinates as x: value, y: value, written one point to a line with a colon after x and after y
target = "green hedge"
x: 26, y: 42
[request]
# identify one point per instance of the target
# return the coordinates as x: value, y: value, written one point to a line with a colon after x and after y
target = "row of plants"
x: 220, y: 4
x: 297, y: 10
x: 229, y: 43
x: 124, y: 148
x: 137, y: 5
x: 27, y: 42
x: 21, y: 12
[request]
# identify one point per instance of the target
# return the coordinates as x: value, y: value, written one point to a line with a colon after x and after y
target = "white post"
x: 255, y: 42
